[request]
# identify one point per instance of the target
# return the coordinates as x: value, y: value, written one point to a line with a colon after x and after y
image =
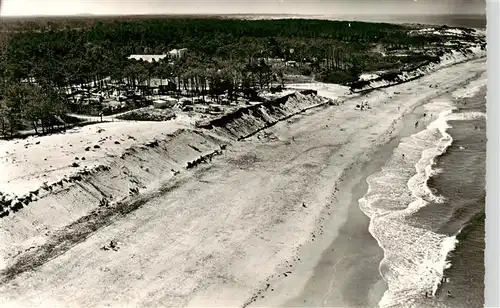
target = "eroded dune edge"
x: 90, y: 196
x: 52, y: 216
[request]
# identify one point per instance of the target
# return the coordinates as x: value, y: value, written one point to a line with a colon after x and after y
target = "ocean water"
x: 451, y: 20
x: 425, y: 207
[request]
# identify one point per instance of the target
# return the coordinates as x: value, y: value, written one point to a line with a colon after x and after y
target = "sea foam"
x: 415, y: 258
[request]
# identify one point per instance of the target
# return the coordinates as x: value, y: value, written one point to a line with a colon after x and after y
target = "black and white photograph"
x: 272, y: 153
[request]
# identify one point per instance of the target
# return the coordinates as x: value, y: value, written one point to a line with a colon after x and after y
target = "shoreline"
x: 274, y: 231
x: 466, y: 260
x: 363, y: 269
x: 357, y: 220
x: 404, y: 128
x: 392, y: 249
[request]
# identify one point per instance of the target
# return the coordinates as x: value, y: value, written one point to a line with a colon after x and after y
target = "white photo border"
x: 492, y: 252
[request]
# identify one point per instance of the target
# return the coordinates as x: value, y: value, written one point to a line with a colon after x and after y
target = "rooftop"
x: 148, y: 58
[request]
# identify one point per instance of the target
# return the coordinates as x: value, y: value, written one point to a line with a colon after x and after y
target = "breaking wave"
x: 414, y: 257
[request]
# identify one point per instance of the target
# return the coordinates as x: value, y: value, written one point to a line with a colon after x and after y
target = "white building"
x: 177, y: 53
x: 155, y: 82
x: 147, y: 58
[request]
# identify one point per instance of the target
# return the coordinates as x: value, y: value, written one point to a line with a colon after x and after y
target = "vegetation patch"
x: 84, y: 65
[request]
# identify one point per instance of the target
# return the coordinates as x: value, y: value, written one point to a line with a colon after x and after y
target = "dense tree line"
x: 40, y: 105
x: 38, y: 65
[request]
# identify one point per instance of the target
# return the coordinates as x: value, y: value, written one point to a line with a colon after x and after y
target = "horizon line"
x: 234, y: 14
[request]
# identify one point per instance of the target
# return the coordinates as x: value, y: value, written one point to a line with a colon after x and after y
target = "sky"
x: 323, y: 7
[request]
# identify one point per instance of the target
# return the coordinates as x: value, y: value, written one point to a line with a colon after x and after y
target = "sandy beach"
x: 272, y: 221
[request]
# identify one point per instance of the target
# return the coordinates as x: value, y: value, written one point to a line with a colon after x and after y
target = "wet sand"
x: 355, y: 256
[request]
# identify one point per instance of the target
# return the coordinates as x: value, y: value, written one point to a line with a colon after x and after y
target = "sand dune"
x: 247, y: 227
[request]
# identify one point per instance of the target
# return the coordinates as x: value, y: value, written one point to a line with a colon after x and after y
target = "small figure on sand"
x: 448, y: 293
x: 304, y: 205
x: 133, y: 191
x: 112, y: 245
x: 176, y: 172
x: 416, y: 124
x: 104, y: 202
